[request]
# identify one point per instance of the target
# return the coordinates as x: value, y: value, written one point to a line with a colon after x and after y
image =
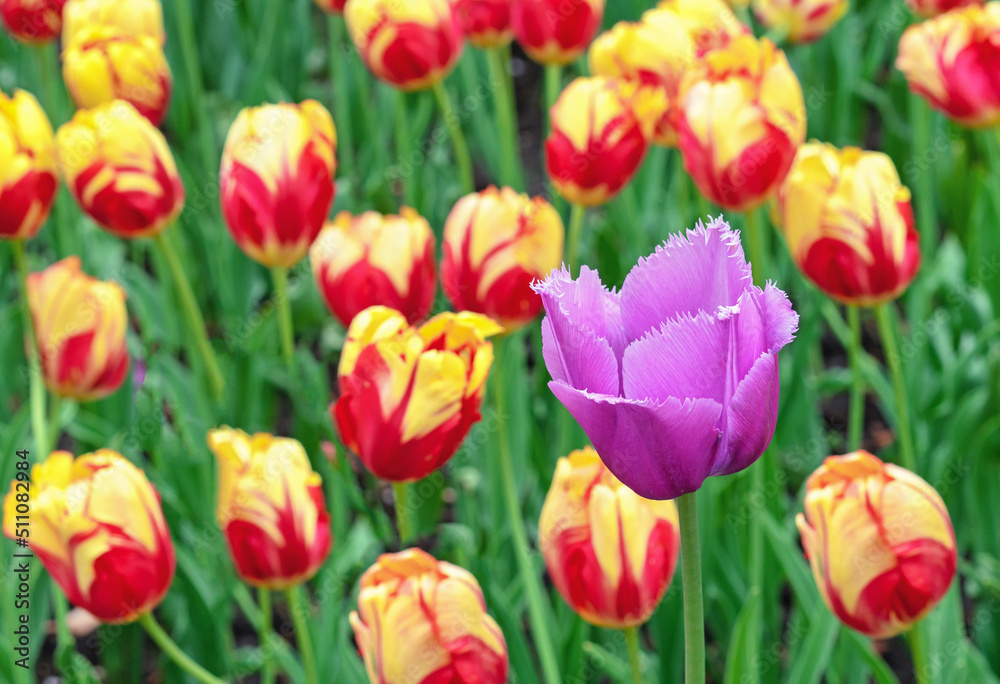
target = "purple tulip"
x: 675, y: 378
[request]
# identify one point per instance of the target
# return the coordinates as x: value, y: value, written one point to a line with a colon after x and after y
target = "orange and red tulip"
x: 880, y: 543
x: 98, y: 529
x: 556, y: 32
x: 32, y: 21
x: 277, y: 179
x: 600, y: 134
x: 424, y: 621
x: 119, y: 169
x: 801, y: 21
x: 932, y: 8
x: 742, y: 118
x: 486, y: 23
x: 28, y: 177
x: 610, y: 553
x: 496, y: 243
x: 408, y: 395
x: 80, y: 324
x: 953, y: 60
x: 410, y: 45
x: 848, y: 223
x: 271, y: 508
x: 376, y: 260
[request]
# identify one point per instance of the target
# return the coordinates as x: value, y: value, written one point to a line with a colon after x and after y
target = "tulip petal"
x: 751, y: 417
x: 657, y: 449
x: 700, y: 271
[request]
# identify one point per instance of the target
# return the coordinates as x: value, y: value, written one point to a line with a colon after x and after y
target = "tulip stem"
x: 462, y: 156
x: 280, y: 276
x: 404, y: 152
x: 577, y: 216
x: 758, y: 250
x: 632, y: 643
x: 532, y: 586
x: 342, y: 98
x: 553, y: 86
x: 174, y: 652
x: 191, y: 311
x: 499, y: 62
x: 694, y: 607
x: 403, y: 523
x: 37, y: 385
x: 298, y: 608
x: 891, y: 347
x: 192, y: 67
x: 918, y: 653
x: 856, y: 415
x: 267, y: 672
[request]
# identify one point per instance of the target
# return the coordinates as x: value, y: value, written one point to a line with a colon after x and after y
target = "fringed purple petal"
x: 751, y: 417
x: 782, y: 321
x: 700, y: 271
x: 658, y: 449
x: 578, y: 358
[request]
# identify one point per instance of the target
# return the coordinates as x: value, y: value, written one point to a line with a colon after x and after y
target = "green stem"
x: 856, y: 415
x: 758, y: 249
x: 462, y: 156
x: 55, y: 403
x: 65, y: 641
x: 174, y: 652
x: 578, y: 213
x: 403, y: 521
x: 404, y: 150
x: 890, y: 344
x: 189, y: 304
x: 341, y: 98
x: 632, y: 642
x: 532, y: 586
x: 66, y: 239
x: 280, y: 276
x: 694, y: 607
x: 192, y: 67
x: 921, y: 119
x: 918, y: 652
x: 37, y: 384
x: 553, y: 86
x: 297, y: 607
x: 264, y: 50
x: 267, y: 672
x: 510, y: 163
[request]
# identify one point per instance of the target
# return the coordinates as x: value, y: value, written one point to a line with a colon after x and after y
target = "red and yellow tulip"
x: 610, y: 553
x: 119, y: 169
x: 880, y: 543
x: 32, y: 21
x: 408, y: 395
x: 277, y: 179
x: 496, y: 243
x: 953, y: 61
x: 271, y: 508
x: 97, y: 527
x: 132, y: 18
x: 424, y: 621
x: 801, y: 21
x: 28, y: 176
x: 932, y: 8
x: 486, y: 23
x: 331, y: 6
x: 709, y: 23
x: 848, y: 223
x: 556, y: 32
x: 80, y: 324
x: 376, y: 260
x: 410, y: 45
x: 742, y: 118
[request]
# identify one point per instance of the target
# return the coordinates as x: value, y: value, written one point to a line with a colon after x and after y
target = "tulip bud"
x: 98, y: 529
x: 610, y: 552
x: 132, y: 18
x: 410, y: 45
x: 556, y: 32
x: 424, y: 621
x: 80, y: 324
x: 932, y: 8
x: 277, y: 179
x: 742, y: 117
x: 32, y: 21
x: 331, y: 6
x: 375, y: 260
x: 600, y: 132
x: 848, y: 223
x: 709, y: 23
x: 103, y: 64
x: 271, y: 508
x: 952, y: 61
x: 119, y: 169
x: 28, y: 178
x: 801, y: 21
x: 880, y: 543
x: 408, y: 395
x: 486, y: 23
x: 496, y: 243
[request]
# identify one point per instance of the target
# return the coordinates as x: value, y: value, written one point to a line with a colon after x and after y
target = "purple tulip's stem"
x: 462, y: 156
x: 887, y: 330
x: 918, y: 653
x: 267, y: 671
x: 577, y: 216
x: 279, y: 275
x: 632, y: 642
x: 298, y: 608
x: 403, y: 522
x: 510, y: 163
x: 758, y: 249
x: 553, y: 87
x: 342, y: 99
x: 37, y: 385
x: 189, y: 304
x: 694, y: 607
x: 856, y: 415
x: 174, y: 652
